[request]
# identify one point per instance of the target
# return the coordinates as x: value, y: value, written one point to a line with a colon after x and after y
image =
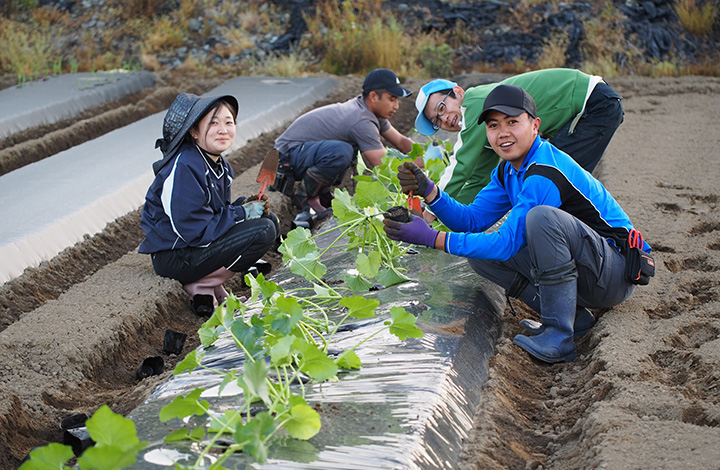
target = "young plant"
x: 284, y: 336
x: 116, y: 446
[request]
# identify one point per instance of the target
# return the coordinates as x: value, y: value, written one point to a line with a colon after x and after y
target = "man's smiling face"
x: 511, y: 136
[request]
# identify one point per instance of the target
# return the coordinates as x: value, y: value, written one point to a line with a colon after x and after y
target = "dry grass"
x: 553, y: 51
x: 697, y: 19
x: 345, y: 36
x: 162, y: 35
x: 28, y: 49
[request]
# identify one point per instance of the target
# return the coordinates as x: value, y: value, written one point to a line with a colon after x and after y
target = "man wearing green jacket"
x: 579, y: 115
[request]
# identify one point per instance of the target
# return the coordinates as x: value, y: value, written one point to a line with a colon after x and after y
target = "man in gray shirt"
x: 320, y: 144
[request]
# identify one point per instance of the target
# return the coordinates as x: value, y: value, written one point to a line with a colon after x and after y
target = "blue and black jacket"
x: 547, y: 177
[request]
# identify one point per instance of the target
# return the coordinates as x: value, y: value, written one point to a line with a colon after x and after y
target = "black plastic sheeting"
x: 410, y: 406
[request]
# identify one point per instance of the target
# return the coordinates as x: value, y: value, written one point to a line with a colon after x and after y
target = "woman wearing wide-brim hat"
x: 193, y: 232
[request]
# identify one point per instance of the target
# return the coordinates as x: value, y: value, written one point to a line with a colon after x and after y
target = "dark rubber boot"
x: 584, y: 321
x: 558, y: 302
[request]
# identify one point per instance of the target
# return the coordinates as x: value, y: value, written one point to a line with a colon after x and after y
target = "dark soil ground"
x: 643, y: 392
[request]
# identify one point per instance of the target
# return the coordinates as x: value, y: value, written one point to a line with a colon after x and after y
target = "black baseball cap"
x: 384, y: 79
x: 510, y: 100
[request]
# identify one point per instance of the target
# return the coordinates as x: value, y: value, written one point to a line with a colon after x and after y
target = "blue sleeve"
x: 510, y: 238
x: 191, y: 215
x: 490, y: 204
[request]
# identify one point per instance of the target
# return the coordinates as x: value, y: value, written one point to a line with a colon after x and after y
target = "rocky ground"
x: 642, y: 394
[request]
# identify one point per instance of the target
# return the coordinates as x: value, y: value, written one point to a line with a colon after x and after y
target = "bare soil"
x: 643, y: 392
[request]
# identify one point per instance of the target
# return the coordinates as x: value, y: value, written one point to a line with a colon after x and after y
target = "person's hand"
x: 264, y: 200
x: 253, y: 209
x: 417, y: 232
x: 412, y: 179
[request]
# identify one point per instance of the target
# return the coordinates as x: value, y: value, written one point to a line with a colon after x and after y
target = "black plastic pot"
x: 398, y: 214
x: 73, y: 421
x: 173, y: 342
x: 79, y: 439
x: 150, y: 366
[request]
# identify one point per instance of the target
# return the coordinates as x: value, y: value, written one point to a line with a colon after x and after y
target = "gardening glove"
x: 264, y: 199
x: 417, y: 231
x: 254, y: 209
x: 412, y: 179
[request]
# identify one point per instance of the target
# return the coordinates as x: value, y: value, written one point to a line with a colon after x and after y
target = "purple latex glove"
x: 417, y: 232
x: 412, y: 179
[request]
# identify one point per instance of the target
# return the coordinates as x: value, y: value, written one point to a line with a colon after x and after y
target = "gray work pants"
x: 554, y: 238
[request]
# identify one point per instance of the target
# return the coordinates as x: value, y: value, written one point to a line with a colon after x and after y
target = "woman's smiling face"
x: 215, y: 132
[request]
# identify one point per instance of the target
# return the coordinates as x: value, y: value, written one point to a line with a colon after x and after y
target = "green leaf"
x: 260, y: 286
x: 254, y: 434
x: 253, y: 382
x: 349, y: 360
x: 304, y: 422
x: 314, y: 362
x: 370, y: 194
x: 366, y: 178
x: 308, y: 267
x: 390, y: 276
x: 281, y: 352
x: 116, y: 441
x: 357, y: 283
x: 109, y: 457
x: 395, y: 153
x: 287, y: 314
x: 344, y: 208
x: 360, y: 307
x: 179, y: 435
x: 416, y: 151
x: 321, y: 291
x: 184, y: 406
x: 108, y: 428
x: 190, y: 363
x: 248, y: 335
x: 360, y: 166
x: 227, y: 380
x: 369, y: 265
x: 208, y: 335
x: 295, y: 400
x: 226, y: 422
x: 51, y: 456
x: 297, y: 244
x: 403, y: 324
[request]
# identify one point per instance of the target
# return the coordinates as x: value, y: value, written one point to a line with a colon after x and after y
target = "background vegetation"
x: 231, y: 37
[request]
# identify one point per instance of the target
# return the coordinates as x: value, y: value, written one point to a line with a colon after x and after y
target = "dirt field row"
x: 642, y: 394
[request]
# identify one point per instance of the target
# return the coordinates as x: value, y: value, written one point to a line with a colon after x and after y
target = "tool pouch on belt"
x: 639, y: 266
x: 284, y: 180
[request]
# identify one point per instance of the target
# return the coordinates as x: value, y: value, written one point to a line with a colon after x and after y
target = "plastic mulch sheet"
x: 410, y: 406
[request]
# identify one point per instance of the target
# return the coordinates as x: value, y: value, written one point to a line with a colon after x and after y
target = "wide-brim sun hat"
x: 423, y: 124
x: 184, y: 112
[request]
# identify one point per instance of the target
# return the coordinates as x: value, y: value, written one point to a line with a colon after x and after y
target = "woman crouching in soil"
x: 193, y: 232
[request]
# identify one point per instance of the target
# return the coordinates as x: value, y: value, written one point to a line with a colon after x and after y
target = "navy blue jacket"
x: 188, y: 203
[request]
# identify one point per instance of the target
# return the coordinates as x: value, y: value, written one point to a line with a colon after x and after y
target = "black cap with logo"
x: 510, y: 100
x: 384, y: 79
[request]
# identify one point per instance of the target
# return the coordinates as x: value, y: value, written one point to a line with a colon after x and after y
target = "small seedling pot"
x: 263, y: 267
x: 150, y: 366
x: 173, y: 342
x: 73, y: 421
x: 79, y: 439
x: 398, y: 214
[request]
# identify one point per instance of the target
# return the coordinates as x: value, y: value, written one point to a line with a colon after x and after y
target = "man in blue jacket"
x: 562, y: 247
